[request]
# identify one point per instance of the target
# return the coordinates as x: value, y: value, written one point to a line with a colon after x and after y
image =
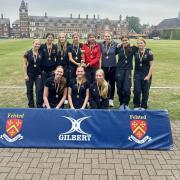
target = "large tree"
x: 134, y: 23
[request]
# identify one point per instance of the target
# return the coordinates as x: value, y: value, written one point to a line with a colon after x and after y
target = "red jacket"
x: 92, y: 56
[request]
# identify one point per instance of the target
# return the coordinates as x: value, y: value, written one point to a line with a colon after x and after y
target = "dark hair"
x: 124, y: 36
x: 91, y: 34
x: 50, y: 34
x: 128, y: 48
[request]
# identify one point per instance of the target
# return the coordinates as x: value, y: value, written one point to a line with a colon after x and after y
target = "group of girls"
x: 85, y: 75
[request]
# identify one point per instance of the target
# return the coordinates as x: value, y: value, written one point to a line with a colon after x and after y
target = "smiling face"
x: 91, y: 39
x: 80, y: 72
x: 75, y: 39
x: 50, y: 39
x: 141, y: 43
x: 36, y: 44
x: 62, y: 37
x: 125, y: 41
x: 59, y: 72
x: 99, y: 76
x: 107, y: 37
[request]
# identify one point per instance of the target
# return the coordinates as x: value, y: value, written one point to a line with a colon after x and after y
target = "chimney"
x: 94, y: 16
x: 120, y: 18
x: 71, y: 15
x: 1, y: 15
x: 79, y: 16
x: 45, y: 15
x: 87, y: 16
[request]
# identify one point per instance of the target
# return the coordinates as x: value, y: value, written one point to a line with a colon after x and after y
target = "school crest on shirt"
x: 13, y: 127
x: 138, y: 125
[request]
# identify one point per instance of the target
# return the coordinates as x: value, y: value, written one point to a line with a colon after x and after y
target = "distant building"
x: 173, y: 23
x: 4, y: 27
x: 38, y: 26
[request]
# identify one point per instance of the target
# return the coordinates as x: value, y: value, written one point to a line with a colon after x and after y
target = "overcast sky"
x: 149, y: 12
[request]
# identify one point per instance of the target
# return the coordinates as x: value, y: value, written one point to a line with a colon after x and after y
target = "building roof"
x: 4, y: 21
x: 59, y: 19
x: 169, y: 23
x: 16, y: 22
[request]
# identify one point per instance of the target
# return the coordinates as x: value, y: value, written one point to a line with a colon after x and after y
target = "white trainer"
x: 66, y: 102
x: 121, y: 107
x: 111, y: 103
x: 136, y: 109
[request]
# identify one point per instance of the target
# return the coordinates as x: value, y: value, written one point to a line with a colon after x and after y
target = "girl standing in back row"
x: 108, y: 63
x: 32, y: 74
x: 142, y: 74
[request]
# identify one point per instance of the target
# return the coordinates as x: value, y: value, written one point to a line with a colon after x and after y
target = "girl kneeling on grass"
x: 78, y: 90
x: 55, y: 90
x: 32, y: 74
x: 99, y: 92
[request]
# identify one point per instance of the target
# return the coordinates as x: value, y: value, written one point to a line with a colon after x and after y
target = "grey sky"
x: 152, y: 11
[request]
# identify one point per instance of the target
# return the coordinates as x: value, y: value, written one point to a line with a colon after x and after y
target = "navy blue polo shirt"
x: 78, y: 98
x: 34, y: 66
x: 52, y: 94
x: 125, y: 57
x: 111, y: 61
x: 142, y: 67
x: 49, y: 63
x: 95, y: 96
x: 62, y: 57
x: 73, y: 49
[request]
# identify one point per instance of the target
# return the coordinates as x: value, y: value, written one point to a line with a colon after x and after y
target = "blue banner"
x: 85, y: 129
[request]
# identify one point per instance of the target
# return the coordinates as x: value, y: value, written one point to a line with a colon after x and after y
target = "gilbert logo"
x: 13, y: 127
x: 139, y: 128
x: 76, y: 127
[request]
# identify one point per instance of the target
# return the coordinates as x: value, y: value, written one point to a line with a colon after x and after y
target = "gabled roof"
x: 169, y: 23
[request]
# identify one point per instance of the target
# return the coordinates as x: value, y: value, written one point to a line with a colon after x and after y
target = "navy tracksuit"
x: 141, y: 86
x: 78, y: 97
x: 123, y: 73
x: 63, y: 60
x: 35, y: 77
x: 49, y: 62
x: 72, y: 67
x: 95, y: 100
x: 109, y: 64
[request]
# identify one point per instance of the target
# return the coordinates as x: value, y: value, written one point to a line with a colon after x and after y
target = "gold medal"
x: 77, y: 96
x: 35, y: 65
x: 49, y: 58
x: 61, y: 58
x: 57, y: 96
x: 76, y: 58
x: 141, y: 56
x: 107, y: 50
x: 126, y: 61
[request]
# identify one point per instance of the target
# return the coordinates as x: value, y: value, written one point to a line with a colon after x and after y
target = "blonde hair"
x: 104, y: 85
x: 65, y: 43
x: 142, y: 39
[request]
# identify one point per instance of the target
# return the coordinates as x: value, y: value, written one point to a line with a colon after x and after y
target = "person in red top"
x: 91, y: 58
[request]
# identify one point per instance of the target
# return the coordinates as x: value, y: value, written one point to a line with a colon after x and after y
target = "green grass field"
x: 166, y: 73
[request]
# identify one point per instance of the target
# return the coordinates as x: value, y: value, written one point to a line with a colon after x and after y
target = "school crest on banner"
x: 13, y: 128
x: 139, y: 129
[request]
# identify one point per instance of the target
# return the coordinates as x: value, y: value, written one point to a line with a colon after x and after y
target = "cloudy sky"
x: 149, y: 12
